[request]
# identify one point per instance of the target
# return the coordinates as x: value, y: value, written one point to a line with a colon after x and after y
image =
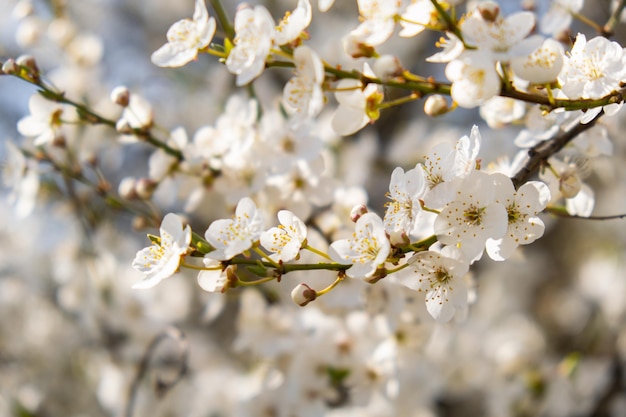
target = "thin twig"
x: 162, y: 387
x: 540, y: 153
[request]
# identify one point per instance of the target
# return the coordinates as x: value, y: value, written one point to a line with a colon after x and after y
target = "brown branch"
x: 539, y: 154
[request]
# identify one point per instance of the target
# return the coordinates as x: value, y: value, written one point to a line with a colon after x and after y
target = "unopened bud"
x: 569, y: 184
x: 436, y: 105
x: 127, y: 188
x: 399, y: 238
x: 28, y: 62
x: 489, y: 10
x: 9, y: 67
x: 378, y: 275
x: 302, y: 294
x: 121, y: 96
x: 357, y: 211
x: 357, y: 49
x: 387, y: 67
x: 145, y: 187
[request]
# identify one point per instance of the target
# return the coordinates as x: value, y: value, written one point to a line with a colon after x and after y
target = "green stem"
x: 609, y: 27
x: 223, y: 18
x: 257, y: 282
x: 316, y: 251
x: 398, y: 101
x: 331, y: 286
x: 420, y: 246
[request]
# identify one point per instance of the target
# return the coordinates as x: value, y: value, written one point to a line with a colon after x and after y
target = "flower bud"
x: 145, y: 187
x: 28, y: 62
x: 489, y: 10
x: 127, y: 188
x: 9, y: 67
x: 436, y: 105
x: 387, y: 67
x: 121, y: 96
x: 122, y: 126
x: 569, y: 184
x: 357, y: 211
x: 302, y: 294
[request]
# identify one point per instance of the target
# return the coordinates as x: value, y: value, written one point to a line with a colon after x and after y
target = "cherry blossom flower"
x: 254, y: 30
x: 593, y: 69
x: 303, y: 97
x: 501, y: 38
x: 500, y: 111
x: 230, y: 237
x: 416, y: 17
x: 377, y: 21
x: 357, y: 104
x: 185, y: 38
x: 406, y: 189
x: 446, y: 163
x: 474, y: 79
x: 162, y: 259
x: 325, y: 5
x: 212, y: 279
x: 137, y: 115
x: 473, y: 216
x: 441, y: 277
x: 285, y: 240
x: 522, y: 206
x: 44, y: 122
x: 293, y: 23
x: 541, y: 66
x: 366, y: 250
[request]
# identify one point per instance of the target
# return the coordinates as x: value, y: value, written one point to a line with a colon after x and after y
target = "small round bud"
x: 569, y: 184
x: 9, y: 67
x: 127, y: 188
x: 489, y: 10
x: 387, y: 67
x: 145, y: 188
x: 302, y: 294
x: 140, y: 223
x: 120, y: 96
x: 357, y: 211
x: 436, y: 105
x: 28, y: 62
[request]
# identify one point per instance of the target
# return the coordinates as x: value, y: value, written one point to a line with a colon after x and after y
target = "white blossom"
x: 254, y: 30
x: 185, y: 38
x: 474, y: 79
x: 231, y: 237
x: 162, y: 259
x: 44, y: 122
x: 441, y: 277
x: 522, y: 206
x: 293, y: 23
x: 406, y: 189
x: 285, y: 241
x: 416, y: 17
x: 303, y: 97
x: 366, y: 250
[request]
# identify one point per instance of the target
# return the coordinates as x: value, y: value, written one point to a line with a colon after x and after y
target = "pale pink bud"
x: 121, y: 96
x: 436, y: 105
x: 357, y: 211
x: 302, y: 294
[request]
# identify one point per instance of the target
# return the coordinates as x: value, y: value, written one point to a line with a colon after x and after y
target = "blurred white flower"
x: 185, y: 38
x: 416, y: 17
x: 162, y: 259
x: 212, y: 279
x: 44, y: 122
x: 559, y: 16
x: 21, y: 179
x: 377, y: 21
x: 474, y: 78
x: 406, y: 189
x: 541, y: 66
x: 303, y: 97
x: 231, y: 237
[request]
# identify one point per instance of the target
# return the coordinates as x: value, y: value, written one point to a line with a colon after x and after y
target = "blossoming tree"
x: 335, y: 296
